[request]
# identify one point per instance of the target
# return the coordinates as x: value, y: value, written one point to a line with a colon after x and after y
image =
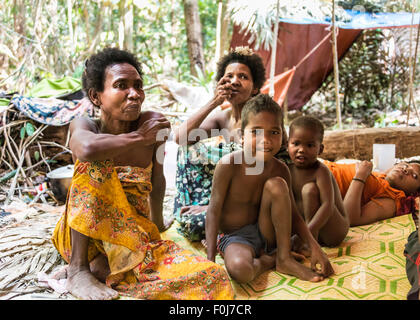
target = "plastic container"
x: 383, y: 156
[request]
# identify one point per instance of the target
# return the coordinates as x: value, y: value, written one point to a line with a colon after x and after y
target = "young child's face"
x: 262, y: 136
x: 304, y: 147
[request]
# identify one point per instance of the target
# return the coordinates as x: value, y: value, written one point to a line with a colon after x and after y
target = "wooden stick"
x: 410, y: 66
x: 7, y: 141
x: 414, y: 71
x: 19, y: 169
x: 274, y: 51
x: 42, y: 156
x: 336, y: 71
x: 14, y: 181
x: 51, y: 143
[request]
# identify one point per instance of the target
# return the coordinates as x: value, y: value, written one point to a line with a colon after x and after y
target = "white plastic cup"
x: 383, y: 156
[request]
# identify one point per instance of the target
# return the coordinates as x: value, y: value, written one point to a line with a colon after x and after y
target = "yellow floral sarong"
x: 110, y: 205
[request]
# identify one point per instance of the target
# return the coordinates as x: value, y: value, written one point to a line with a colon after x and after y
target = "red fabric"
x: 281, y: 85
x: 295, y: 41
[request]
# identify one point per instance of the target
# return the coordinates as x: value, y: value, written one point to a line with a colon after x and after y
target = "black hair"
x: 252, y: 60
x: 310, y: 123
x: 260, y: 103
x: 94, y: 74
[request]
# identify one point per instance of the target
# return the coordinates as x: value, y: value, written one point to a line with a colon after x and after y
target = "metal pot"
x: 59, y: 181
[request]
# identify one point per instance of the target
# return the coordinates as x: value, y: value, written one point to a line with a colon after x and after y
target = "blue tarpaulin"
x: 364, y: 20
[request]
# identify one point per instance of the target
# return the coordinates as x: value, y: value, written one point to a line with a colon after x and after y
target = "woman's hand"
x: 363, y: 170
x: 154, y: 130
x: 193, y: 210
x: 166, y: 223
x: 223, y: 91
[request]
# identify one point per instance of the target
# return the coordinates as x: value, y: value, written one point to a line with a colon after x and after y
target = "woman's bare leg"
x: 80, y: 281
x: 275, y: 222
x: 99, y: 267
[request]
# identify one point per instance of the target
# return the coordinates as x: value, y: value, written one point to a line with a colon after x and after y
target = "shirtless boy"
x: 254, y: 213
x: 314, y: 187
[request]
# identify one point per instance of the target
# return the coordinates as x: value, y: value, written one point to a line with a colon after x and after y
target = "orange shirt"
x: 375, y: 187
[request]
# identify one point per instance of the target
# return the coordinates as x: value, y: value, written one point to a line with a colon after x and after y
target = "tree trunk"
x: 70, y: 24
x: 194, y: 38
x: 336, y: 70
x: 358, y: 143
x: 19, y: 26
x: 222, y: 30
x: 98, y: 26
x: 128, y: 26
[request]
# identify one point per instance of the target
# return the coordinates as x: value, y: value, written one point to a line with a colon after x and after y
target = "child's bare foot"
x: 83, y: 284
x: 297, y: 256
x: 291, y: 267
x: 267, y: 261
x: 299, y: 246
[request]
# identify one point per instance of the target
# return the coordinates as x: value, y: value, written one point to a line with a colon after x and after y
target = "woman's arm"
x: 375, y: 210
x: 87, y: 144
x: 158, y: 189
x: 221, y: 180
x: 200, y: 119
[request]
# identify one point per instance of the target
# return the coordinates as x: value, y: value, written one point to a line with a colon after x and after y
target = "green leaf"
x: 22, y: 133
x: 36, y: 155
x: 29, y: 129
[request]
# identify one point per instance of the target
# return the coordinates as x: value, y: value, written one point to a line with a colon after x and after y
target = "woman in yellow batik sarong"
x: 109, y: 231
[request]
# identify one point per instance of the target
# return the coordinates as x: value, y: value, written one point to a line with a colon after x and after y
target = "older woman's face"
x: 240, y: 77
x: 405, y: 176
x: 123, y: 93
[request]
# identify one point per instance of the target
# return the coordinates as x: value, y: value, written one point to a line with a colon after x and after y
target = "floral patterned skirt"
x: 110, y: 205
x: 195, y: 168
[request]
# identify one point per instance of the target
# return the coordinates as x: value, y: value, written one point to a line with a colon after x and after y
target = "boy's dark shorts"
x: 249, y: 235
x: 411, y: 252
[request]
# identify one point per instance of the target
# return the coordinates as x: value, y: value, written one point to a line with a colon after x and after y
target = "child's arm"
x: 326, y: 195
x: 221, y: 181
x: 301, y: 229
x: 317, y: 255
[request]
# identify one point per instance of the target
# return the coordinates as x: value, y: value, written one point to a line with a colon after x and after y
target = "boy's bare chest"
x: 248, y: 189
x: 300, y: 177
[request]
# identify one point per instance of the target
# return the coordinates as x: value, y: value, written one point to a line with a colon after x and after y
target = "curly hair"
x: 310, y: 123
x: 94, y: 74
x: 245, y: 56
x: 260, y: 103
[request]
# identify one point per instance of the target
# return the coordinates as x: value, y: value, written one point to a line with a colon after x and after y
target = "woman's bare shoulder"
x: 84, y: 123
x: 218, y: 119
x: 149, y: 114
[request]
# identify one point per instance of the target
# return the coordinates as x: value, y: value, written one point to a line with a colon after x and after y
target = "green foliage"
x: 374, y: 77
x: 204, y: 80
x: 47, y: 49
